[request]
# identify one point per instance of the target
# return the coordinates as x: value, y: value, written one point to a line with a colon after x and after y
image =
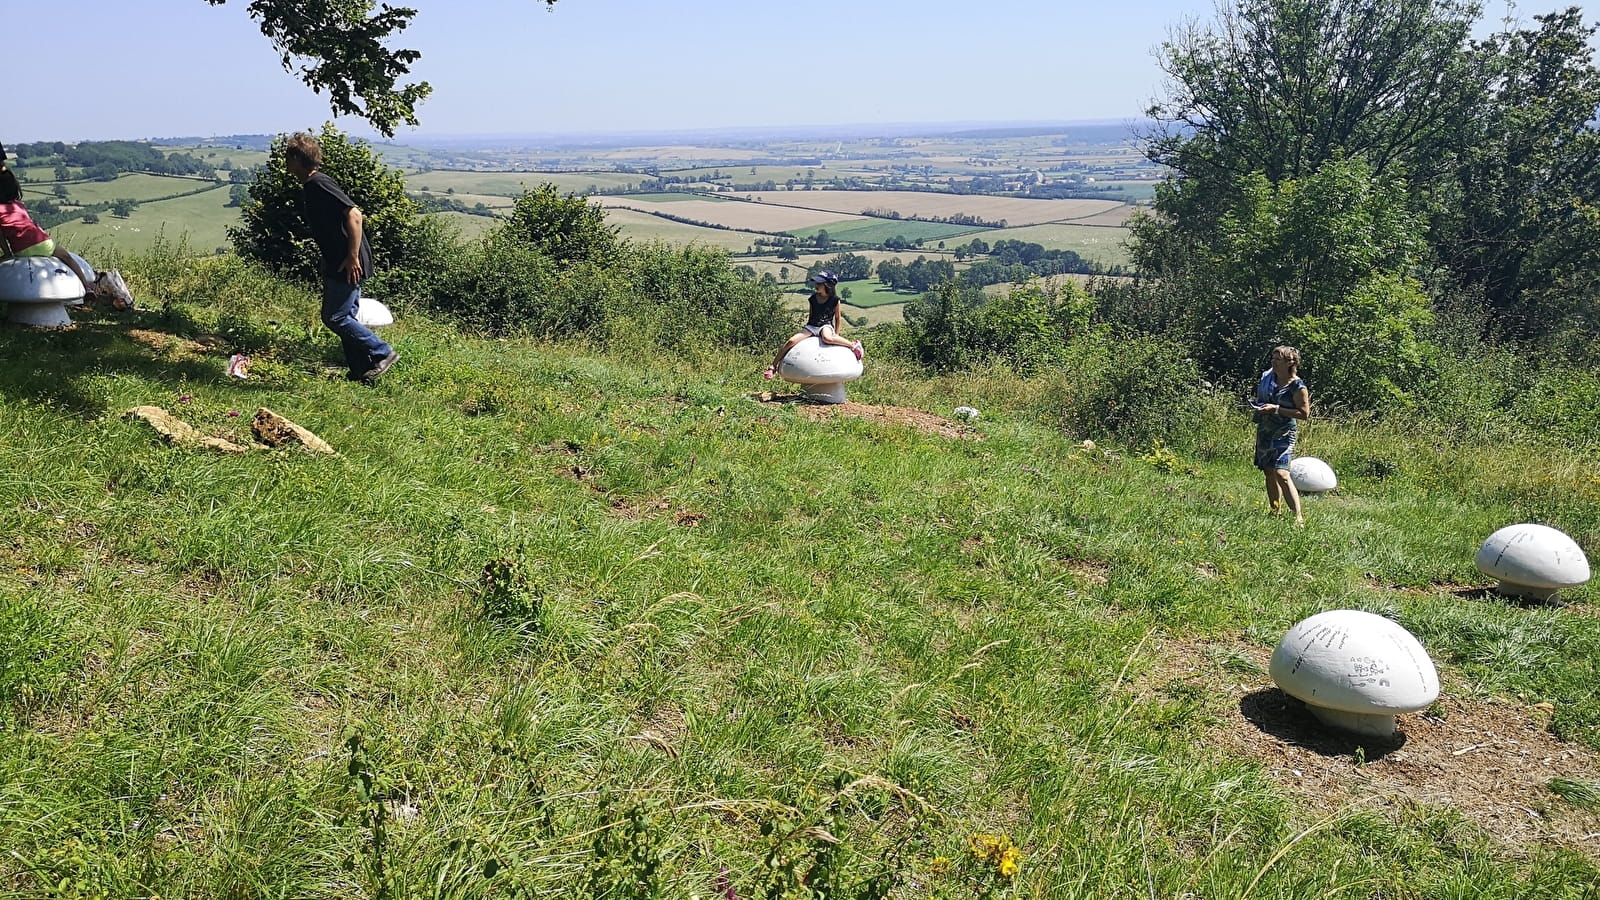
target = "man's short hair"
x: 304, y: 147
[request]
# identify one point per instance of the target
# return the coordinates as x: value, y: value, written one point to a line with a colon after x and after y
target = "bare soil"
x: 1489, y: 761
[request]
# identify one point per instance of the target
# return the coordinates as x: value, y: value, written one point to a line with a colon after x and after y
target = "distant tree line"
x: 435, y: 203
x: 105, y: 160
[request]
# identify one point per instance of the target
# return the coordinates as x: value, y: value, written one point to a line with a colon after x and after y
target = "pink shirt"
x: 17, y: 228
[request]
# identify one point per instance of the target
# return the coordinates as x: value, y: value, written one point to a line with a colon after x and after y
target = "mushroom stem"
x: 1370, y: 724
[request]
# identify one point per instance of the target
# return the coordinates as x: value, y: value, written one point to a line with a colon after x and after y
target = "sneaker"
x: 382, y: 367
x: 858, y: 350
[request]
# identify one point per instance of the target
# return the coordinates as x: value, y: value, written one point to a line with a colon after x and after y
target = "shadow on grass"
x: 1288, y: 720
x: 54, y: 367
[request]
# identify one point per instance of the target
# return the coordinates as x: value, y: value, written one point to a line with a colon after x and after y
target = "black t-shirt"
x: 822, y: 313
x: 325, y: 205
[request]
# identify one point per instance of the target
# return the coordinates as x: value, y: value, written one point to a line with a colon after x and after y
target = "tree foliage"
x: 564, y: 228
x: 1336, y: 162
x: 338, y: 46
x: 1522, y: 224
x: 272, y: 229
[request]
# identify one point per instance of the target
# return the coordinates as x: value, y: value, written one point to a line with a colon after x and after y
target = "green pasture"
x: 1098, y: 243
x: 493, y: 201
x: 198, y: 221
x: 215, y: 155
x: 512, y: 184
x: 876, y: 231
x: 470, y: 227
x: 871, y: 293
x: 637, y: 225
x: 1133, y: 191
x: 134, y: 186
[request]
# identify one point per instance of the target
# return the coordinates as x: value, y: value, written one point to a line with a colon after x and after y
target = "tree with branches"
x: 338, y: 46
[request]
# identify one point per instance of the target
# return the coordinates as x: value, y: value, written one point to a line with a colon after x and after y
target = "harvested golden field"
x: 750, y: 216
x: 909, y: 204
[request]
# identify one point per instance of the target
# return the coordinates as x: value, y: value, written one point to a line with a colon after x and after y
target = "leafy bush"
x: 273, y: 232
x: 1133, y: 388
x: 691, y: 294
x: 504, y: 286
x: 564, y: 228
x: 1364, y: 350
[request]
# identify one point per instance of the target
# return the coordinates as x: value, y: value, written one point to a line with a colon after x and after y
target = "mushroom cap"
x: 1355, y: 662
x: 38, y: 279
x: 1311, y: 475
x: 813, y: 362
x: 373, y: 314
x: 1534, y: 556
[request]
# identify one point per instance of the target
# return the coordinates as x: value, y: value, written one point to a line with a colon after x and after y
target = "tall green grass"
x: 578, y: 622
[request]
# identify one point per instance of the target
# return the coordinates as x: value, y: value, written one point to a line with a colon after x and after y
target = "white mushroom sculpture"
x: 1311, y: 475
x: 1355, y: 670
x: 822, y: 369
x: 38, y: 289
x: 1532, y: 561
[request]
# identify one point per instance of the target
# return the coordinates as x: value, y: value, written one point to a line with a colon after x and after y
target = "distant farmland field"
x: 493, y: 201
x: 470, y: 226
x: 643, y: 226
x: 751, y: 216
x: 1015, y: 211
x: 133, y: 187
x: 201, y: 220
x: 1098, y: 243
x: 512, y: 184
x: 876, y: 231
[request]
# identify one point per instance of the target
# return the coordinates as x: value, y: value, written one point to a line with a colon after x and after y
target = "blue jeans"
x: 362, y: 348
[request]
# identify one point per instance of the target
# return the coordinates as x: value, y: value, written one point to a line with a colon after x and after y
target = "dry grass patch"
x: 1489, y: 761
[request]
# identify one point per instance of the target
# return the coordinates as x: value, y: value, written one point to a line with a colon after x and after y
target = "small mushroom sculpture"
x: 38, y: 289
x: 1355, y: 670
x: 1311, y: 475
x: 1533, y: 561
x: 822, y: 369
x: 372, y: 313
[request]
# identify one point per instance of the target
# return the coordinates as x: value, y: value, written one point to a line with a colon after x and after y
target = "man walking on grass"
x: 335, y: 222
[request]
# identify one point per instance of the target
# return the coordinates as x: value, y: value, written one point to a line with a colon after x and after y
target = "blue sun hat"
x: 823, y: 277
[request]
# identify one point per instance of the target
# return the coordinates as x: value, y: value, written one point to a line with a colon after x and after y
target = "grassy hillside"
x: 565, y: 622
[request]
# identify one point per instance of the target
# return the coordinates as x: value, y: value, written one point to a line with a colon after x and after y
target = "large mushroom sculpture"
x: 1355, y: 670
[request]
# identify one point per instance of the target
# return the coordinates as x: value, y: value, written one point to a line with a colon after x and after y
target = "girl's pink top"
x: 17, y: 228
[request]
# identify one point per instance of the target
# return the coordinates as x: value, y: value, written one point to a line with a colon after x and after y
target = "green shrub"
x: 564, y: 228
x: 1133, y: 388
x: 1363, y: 350
x: 685, y: 295
x: 273, y: 232
x: 506, y: 287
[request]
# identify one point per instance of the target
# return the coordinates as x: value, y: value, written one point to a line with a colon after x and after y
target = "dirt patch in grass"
x: 170, y: 344
x: 921, y: 420
x: 1491, y: 762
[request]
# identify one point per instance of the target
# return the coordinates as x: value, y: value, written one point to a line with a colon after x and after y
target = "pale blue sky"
x: 101, y: 69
